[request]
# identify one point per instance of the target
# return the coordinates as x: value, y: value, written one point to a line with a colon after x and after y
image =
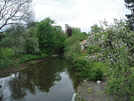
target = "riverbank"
x: 22, y: 62
x: 86, y: 91
x: 92, y: 91
x: 22, y: 66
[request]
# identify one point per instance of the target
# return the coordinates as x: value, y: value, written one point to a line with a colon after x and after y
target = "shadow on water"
x: 49, y: 80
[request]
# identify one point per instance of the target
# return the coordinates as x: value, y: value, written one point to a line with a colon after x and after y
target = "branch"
x: 13, y: 10
x: 2, y: 8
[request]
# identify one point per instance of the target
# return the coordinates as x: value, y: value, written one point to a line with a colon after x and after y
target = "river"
x: 48, y: 80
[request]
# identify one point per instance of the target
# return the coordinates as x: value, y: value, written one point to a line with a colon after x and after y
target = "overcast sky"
x: 79, y: 13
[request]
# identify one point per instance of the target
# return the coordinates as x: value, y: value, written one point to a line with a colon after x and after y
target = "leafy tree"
x: 115, y: 48
x: 68, y: 30
x: 21, y: 39
x: 59, y: 39
x: 50, y: 37
x: 31, y: 41
x: 95, y: 29
x: 14, y: 38
x: 45, y: 35
x: 6, y: 55
x: 72, y: 44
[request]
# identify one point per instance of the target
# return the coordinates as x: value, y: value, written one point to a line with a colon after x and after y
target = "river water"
x: 49, y: 80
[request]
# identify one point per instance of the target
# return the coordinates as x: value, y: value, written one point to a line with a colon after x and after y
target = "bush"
x: 28, y: 57
x: 98, y: 71
x: 93, y: 49
x: 5, y: 57
x: 89, y: 70
x: 85, y: 68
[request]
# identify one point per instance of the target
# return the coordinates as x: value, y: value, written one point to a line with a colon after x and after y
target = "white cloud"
x: 79, y: 13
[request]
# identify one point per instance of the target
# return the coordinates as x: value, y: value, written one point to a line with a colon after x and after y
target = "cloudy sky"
x: 79, y: 13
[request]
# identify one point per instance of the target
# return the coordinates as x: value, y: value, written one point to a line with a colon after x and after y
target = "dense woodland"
x: 105, y: 53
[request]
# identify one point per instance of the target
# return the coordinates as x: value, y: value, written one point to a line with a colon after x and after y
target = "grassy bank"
x: 20, y: 62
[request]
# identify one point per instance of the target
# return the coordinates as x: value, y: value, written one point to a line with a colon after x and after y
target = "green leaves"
x: 50, y: 37
x: 115, y: 46
x: 5, y: 57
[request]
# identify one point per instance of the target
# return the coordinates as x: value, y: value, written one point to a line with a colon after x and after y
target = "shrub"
x: 5, y: 57
x: 93, y: 49
x: 28, y: 57
x: 89, y: 70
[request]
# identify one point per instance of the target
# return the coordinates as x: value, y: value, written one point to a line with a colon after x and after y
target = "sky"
x: 79, y: 13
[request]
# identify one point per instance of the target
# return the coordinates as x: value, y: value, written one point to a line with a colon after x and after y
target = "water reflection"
x: 45, y: 81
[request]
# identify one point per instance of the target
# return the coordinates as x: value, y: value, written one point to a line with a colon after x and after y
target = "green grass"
x: 28, y: 57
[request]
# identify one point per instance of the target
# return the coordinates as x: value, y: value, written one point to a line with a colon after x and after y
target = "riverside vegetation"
x: 21, y: 43
x: 107, y: 54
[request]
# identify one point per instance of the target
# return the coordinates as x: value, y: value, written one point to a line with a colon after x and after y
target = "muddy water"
x: 48, y: 80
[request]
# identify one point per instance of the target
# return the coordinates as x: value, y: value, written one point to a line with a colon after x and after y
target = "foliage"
x: 21, y: 40
x: 96, y: 29
x: 116, y: 48
x: 72, y: 44
x: 85, y: 69
x: 5, y: 57
x: 89, y: 70
x: 59, y: 40
x: 50, y: 37
x: 109, y: 56
x: 29, y: 57
x: 33, y: 41
x: 93, y: 49
x: 14, y: 39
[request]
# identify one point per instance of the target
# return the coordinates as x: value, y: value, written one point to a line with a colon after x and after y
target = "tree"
x: 14, y: 11
x: 96, y: 29
x: 31, y: 40
x: 45, y: 35
x: 14, y: 39
x: 130, y: 6
x: 68, y: 30
x: 21, y: 39
x: 50, y: 37
x: 114, y: 47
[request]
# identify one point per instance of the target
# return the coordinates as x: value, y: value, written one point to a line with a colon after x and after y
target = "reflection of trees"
x: 41, y: 76
x: 44, y: 77
x: 16, y: 88
x: 74, y: 77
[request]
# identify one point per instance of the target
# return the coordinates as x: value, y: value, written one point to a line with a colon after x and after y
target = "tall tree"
x: 14, y: 11
x: 130, y: 6
x: 50, y: 37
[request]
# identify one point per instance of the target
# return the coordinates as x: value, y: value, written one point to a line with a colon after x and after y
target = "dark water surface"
x: 48, y: 80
